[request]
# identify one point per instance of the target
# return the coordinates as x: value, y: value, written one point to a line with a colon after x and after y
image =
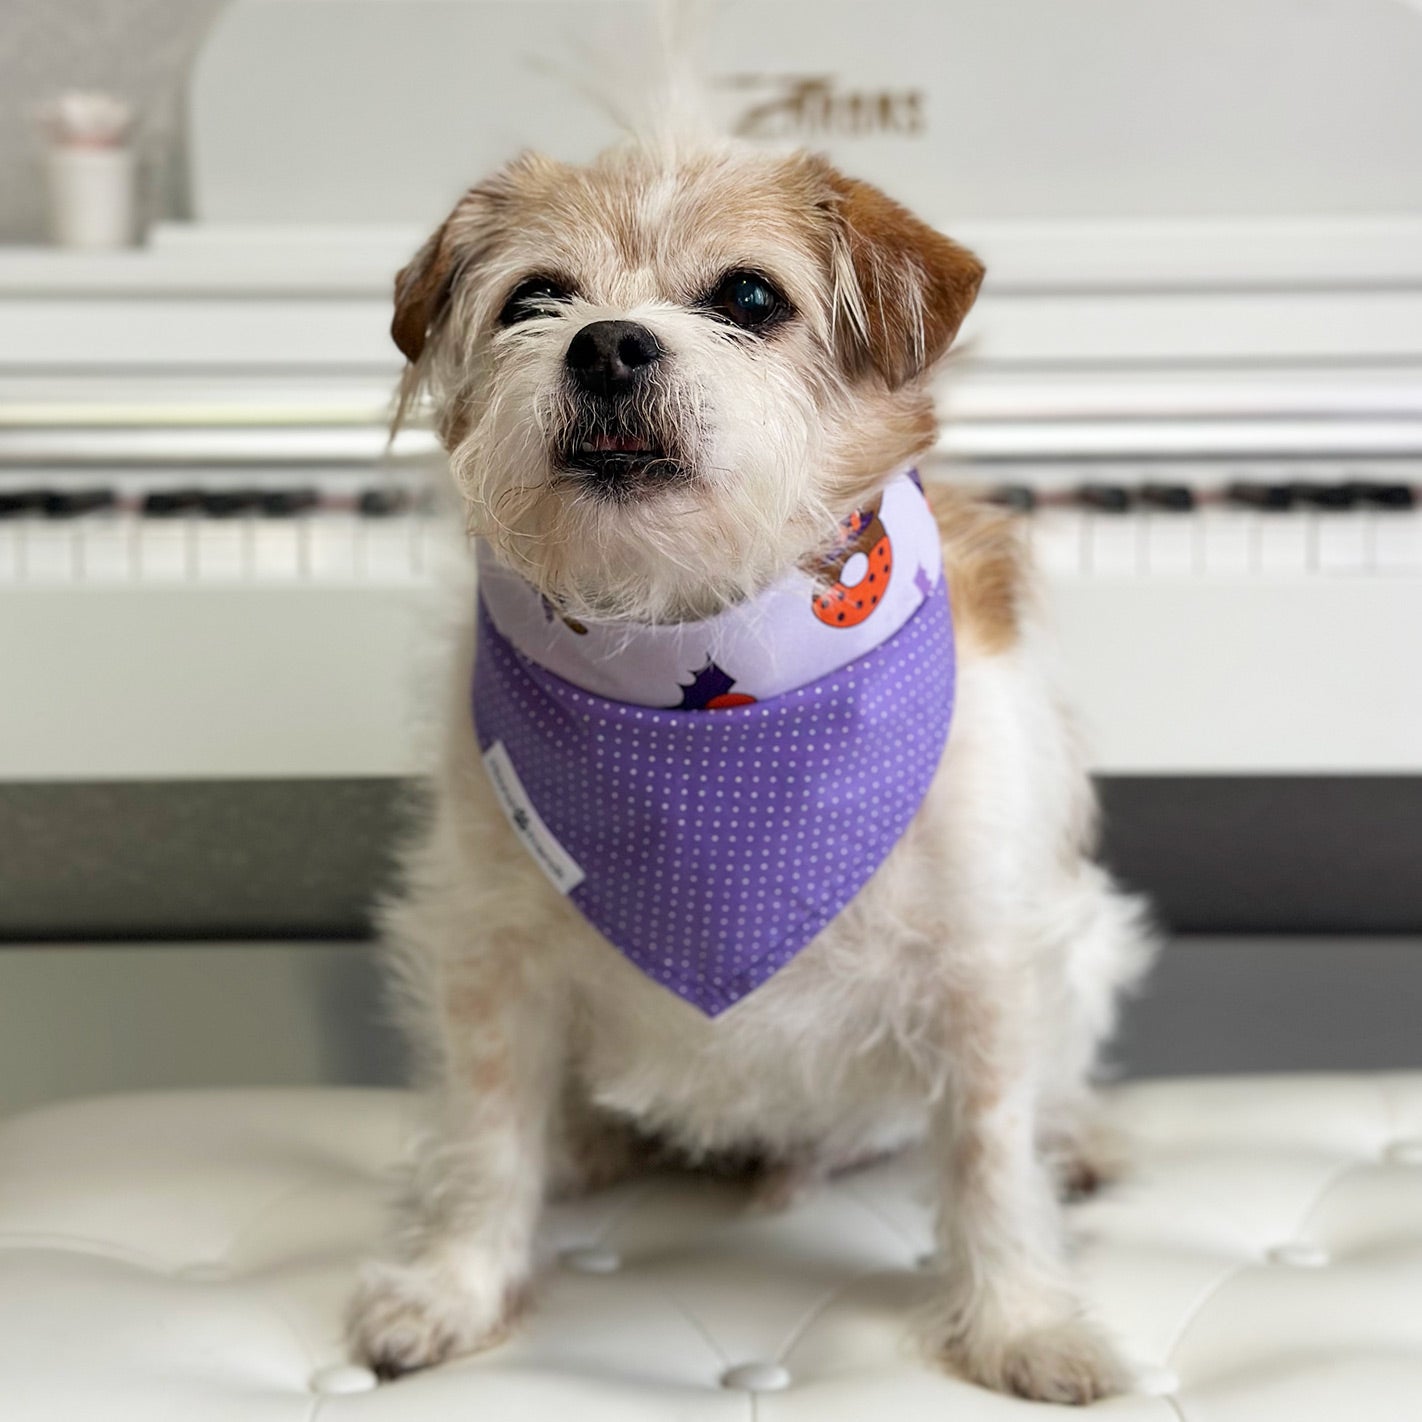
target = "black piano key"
x: 1326, y: 496
x: 1020, y: 498
x: 1104, y: 498
x: 170, y: 503
x: 60, y: 503
x: 1275, y: 497
x: 286, y: 503
x: 381, y: 503
x: 1386, y: 496
x: 228, y: 503
x: 15, y: 503
x: 1174, y: 498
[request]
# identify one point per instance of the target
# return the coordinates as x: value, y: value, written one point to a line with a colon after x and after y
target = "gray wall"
x: 84, y: 1019
x: 138, y: 49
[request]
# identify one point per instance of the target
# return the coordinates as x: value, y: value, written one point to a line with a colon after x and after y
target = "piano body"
x: 1195, y: 370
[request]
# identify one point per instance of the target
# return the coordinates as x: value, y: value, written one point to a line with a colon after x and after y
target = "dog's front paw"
x: 409, y: 1316
x: 1066, y: 1361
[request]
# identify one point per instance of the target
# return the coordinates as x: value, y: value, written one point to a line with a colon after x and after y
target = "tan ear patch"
x: 424, y: 286
x: 422, y: 289
x: 915, y: 285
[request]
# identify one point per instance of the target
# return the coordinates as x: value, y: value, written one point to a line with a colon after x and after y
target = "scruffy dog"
x: 666, y: 381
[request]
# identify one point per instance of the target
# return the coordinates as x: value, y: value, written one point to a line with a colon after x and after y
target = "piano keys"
x: 1362, y: 521
x: 79, y: 533
x: 1356, y: 520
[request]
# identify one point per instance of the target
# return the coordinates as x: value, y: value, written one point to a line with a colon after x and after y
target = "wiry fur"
x: 963, y: 995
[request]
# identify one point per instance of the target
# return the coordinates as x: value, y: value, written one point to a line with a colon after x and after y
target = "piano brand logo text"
x: 808, y: 107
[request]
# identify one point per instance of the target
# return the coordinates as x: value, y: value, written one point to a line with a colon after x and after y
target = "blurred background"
x: 1195, y: 371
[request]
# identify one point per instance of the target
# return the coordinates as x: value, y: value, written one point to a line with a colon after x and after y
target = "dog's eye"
x: 532, y: 298
x: 748, y: 299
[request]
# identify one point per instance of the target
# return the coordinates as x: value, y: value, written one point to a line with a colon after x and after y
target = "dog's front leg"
x: 463, y: 1245
x: 1008, y: 1315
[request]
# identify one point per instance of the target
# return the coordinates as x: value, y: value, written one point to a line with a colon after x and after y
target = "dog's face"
x: 662, y: 380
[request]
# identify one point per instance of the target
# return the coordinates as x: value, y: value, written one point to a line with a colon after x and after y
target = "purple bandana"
x: 772, y: 757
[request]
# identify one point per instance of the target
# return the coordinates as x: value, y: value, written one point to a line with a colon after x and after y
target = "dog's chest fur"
x: 820, y: 1057
x: 838, y: 1051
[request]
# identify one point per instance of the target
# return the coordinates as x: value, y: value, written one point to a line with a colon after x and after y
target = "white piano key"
x: 221, y: 547
x: 165, y: 549
x: 1113, y: 545
x: 1341, y: 543
x: 1057, y: 537
x: 1169, y: 544
x: 48, y: 551
x: 106, y: 549
x: 387, y: 552
x: 276, y: 548
x: 1397, y: 541
x: 1227, y: 541
x: 1284, y: 543
x: 9, y: 551
x: 423, y: 548
x: 332, y: 546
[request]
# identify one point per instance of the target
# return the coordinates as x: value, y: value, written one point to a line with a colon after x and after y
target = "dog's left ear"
x: 909, y: 286
x: 422, y: 290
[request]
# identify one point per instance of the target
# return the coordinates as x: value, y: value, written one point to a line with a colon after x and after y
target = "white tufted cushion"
x: 187, y: 1256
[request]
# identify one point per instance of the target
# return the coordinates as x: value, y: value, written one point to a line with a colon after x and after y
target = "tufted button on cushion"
x: 343, y: 1380
x: 1407, y: 1152
x: 189, y: 1255
x: 1298, y: 1254
x: 756, y: 1377
x: 204, y: 1272
x: 591, y: 1260
x: 1156, y: 1382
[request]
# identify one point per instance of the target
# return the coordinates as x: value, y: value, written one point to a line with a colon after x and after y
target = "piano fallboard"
x: 266, y: 621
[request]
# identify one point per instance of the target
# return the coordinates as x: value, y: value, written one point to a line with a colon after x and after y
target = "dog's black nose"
x: 606, y: 356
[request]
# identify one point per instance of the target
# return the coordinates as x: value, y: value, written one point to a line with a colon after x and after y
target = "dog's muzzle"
x: 613, y: 449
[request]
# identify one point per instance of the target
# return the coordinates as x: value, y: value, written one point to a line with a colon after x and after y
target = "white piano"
x: 1196, y: 369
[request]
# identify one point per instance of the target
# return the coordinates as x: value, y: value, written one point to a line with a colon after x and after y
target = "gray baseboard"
x: 223, y: 859
x: 302, y: 859
x: 1270, y: 854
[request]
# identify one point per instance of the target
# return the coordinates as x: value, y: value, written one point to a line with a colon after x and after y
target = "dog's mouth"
x: 618, y: 463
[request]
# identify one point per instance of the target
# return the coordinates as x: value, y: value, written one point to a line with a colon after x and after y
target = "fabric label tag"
x: 563, y: 871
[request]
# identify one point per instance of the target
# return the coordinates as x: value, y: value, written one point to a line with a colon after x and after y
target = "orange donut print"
x: 848, y: 604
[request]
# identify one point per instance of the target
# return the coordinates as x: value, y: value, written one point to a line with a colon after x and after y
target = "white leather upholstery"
x: 186, y: 1257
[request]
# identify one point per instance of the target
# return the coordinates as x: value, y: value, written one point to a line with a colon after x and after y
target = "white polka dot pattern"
x: 717, y: 844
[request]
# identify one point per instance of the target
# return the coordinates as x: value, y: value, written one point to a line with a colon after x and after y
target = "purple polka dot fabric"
x: 709, y: 847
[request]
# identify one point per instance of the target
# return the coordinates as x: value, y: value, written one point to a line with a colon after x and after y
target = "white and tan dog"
x: 663, y: 379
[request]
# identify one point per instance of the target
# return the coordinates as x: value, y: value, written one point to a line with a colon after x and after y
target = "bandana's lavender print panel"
x: 797, y: 631
x: 715, y: 845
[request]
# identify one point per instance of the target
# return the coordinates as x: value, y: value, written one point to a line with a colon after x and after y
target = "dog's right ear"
x: 422, y: 291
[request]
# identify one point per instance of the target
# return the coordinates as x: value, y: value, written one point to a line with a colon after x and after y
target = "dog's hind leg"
x: 1106, y: 944
x: 591, y: 1148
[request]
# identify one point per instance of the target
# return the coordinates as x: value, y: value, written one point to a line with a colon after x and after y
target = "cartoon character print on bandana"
x: 710, y: 690
x: 867, y: 555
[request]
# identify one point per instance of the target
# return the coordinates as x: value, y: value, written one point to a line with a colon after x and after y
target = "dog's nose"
x: 606, y: 356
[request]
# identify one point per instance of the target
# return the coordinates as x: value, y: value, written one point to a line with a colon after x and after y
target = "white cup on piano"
x: 90, y: 166
x: 91, y: 197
